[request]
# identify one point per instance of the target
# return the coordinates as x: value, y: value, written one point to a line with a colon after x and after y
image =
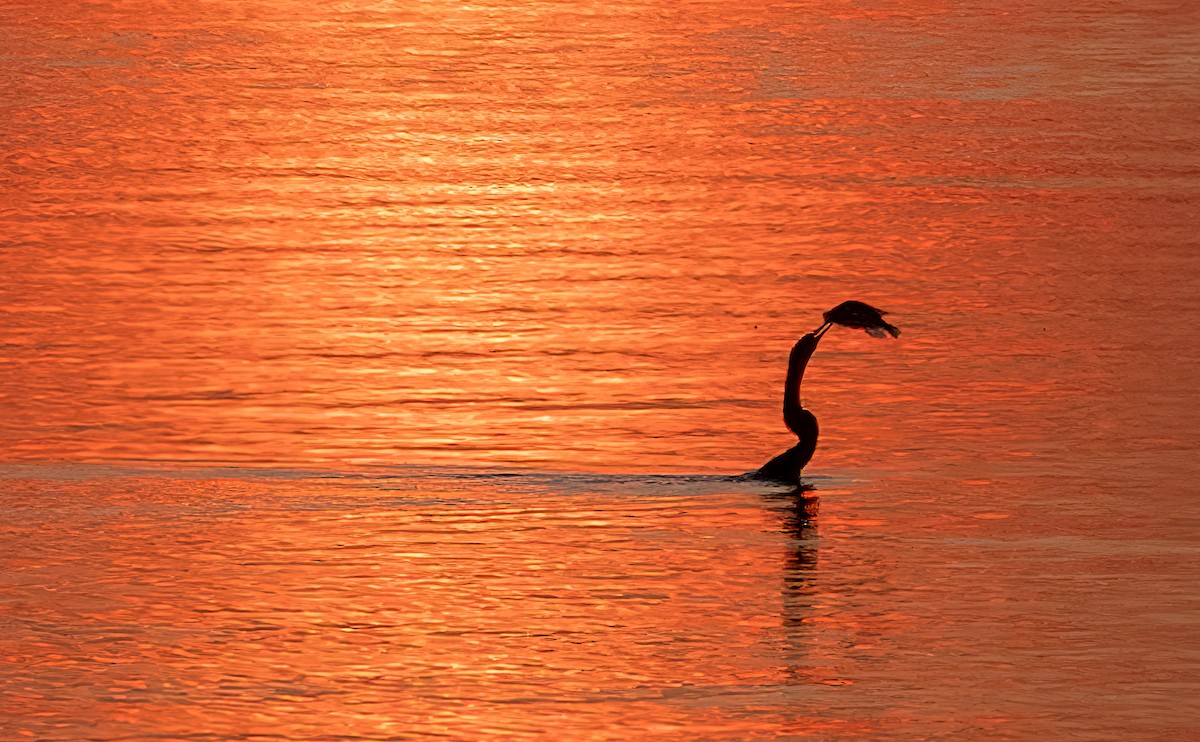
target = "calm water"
x: 376, y: 370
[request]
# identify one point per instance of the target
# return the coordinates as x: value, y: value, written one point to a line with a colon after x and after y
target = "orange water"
x: 368, y: 370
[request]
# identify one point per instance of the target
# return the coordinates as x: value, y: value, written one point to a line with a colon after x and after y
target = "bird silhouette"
x: 864, y: 316
x: 786, y: 467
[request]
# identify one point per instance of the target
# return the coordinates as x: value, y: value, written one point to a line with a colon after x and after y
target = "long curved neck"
x: 801, y: 352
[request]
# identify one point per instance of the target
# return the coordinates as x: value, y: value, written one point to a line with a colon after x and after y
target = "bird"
x: 786, y: 467
x: 860, y: 315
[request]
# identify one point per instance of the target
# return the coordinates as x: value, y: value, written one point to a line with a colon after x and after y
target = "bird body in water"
x: 786, y: 467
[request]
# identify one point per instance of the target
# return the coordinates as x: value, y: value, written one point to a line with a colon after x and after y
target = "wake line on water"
x: 419, y: 476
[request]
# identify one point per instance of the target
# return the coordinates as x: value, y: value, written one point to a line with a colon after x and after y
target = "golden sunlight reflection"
x: 448, y: 239
x: 383, y: 369
x: 298, y: 606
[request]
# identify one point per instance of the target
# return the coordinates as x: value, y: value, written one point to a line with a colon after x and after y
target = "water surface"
x: 378, y: 370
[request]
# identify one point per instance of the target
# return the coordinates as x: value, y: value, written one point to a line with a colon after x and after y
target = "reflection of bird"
x: 857, y: 314
x: 786, y: 466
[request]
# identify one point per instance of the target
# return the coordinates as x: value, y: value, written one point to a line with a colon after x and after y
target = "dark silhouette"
x: 786, y: 466
x: 863, y: 316
x: 796, y: 511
